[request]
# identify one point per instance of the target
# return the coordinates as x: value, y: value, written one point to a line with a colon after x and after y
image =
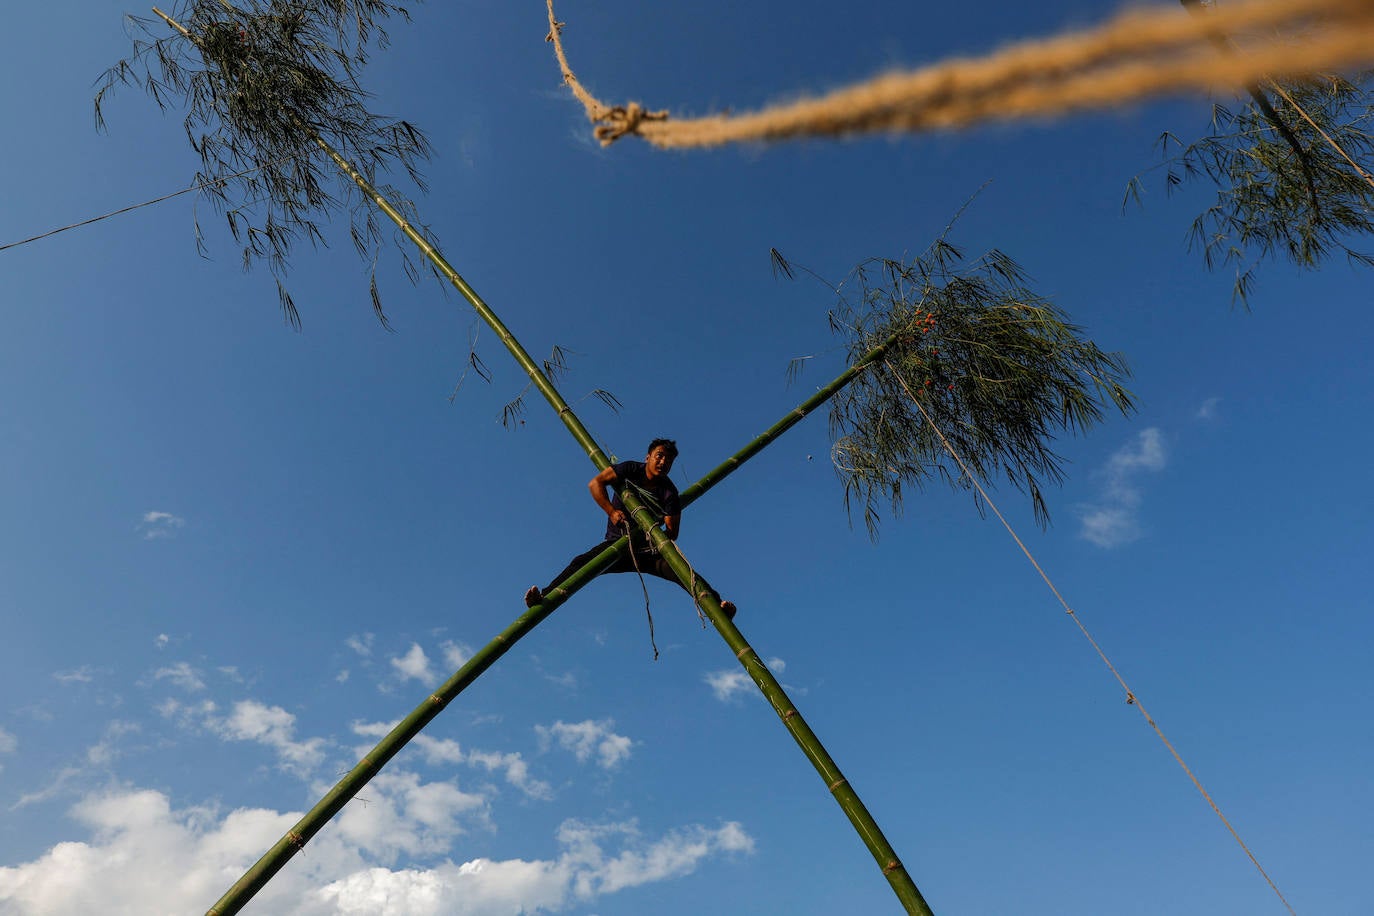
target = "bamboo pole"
x: 353, y: 782
x: 276, y: 857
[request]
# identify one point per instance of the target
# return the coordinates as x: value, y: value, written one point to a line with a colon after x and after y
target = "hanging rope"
x: 634, y: 560
x: 1133, y: 57
x: 1131, y: 698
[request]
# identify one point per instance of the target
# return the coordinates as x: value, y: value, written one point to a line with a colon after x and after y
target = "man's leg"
x: 654, y: 564
x: 534, y: 595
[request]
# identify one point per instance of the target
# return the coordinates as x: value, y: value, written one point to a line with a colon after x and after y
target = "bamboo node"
x: 436, y: 699
x: 837, y: 783
x: 740, y: 653
x: 295, y: 839
x: 789, y: 714
x: 891, y: 867
x: 620, y: 120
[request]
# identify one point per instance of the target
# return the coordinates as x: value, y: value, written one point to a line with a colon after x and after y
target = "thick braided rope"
x: 1134, y: 56
x: 1131, y: 698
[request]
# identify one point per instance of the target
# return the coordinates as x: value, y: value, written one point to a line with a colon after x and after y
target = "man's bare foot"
x: 729, y: 608
x: 533, y: 596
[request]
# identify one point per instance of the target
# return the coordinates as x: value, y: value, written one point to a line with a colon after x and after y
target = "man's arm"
x: 671, y: 524
x: 597, y: 485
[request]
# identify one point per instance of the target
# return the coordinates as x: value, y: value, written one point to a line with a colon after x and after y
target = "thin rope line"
x: 1132, y: 57
x: 634, y: 561
x: 199, y: 186
x: 1131, y: 698
x: 1325, y: 136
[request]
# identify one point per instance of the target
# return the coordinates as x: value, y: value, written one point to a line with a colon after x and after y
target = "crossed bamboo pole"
x: 295, y: 839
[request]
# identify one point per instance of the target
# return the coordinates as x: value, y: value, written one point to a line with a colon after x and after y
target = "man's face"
x: 657, y: 462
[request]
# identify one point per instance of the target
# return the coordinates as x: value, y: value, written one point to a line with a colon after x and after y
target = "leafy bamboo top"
x: 260, y: 84
x: 996, y: 368
x: 1301, y: 197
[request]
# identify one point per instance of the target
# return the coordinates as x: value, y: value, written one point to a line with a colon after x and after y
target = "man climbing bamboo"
x: 650, y: 482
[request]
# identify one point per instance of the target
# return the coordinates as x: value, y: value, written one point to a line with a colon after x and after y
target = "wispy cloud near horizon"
x: 156, y: 524
x: 1113, y: 520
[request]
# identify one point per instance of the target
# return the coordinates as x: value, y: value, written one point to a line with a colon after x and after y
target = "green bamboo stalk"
x: 840, y: 789
x: 845, y: 796
x: 353, y: 782
x: 843, y: 793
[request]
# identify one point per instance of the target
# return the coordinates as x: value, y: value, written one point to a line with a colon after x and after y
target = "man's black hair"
x: 668, y: 444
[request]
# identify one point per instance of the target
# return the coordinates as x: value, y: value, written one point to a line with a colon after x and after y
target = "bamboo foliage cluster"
x: 998, y: 369
x: 1274, y: 201
x: 260, y: 83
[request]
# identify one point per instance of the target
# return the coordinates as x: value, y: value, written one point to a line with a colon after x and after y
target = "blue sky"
x: 231, y: 553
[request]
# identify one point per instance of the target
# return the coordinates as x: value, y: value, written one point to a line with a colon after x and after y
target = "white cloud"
x: 436, y: 751
x: 104, y: 752
x: 587, y: 738
x: 57, y: 786
x: 160, y: 524
x: 729, y: 683
x: 273, y: 727
x: 142, y: 856
x: 676, y: 854
x: 362, y: 644
x: 161, y: 640
x: 1208, y: 410
x: 447, y: 752
x: 92, y: 765
x: 414, y: 665
x: 515, y: 770
x: 80, y: 675
x: 456, y: 655
x: 8, y: 743
x: 398, y: 814
x: 182, y: 675
x: 1114, y: 519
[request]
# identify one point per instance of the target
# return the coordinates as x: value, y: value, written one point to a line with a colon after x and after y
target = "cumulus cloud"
x: 403, y: 815
x: 728, y: 684
x: 1114, y: 519
x: 414, y: 665
x: 273, y: 727
x: 143, y: 856
x: 447, y: 752
x: 583, y: 871
x: 586, y: 739
x: 456, y: 655
x: 182, y: 675
x: 160, y: 524
x: 515, y: 770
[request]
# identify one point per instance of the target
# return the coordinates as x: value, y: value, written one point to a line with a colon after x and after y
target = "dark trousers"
x: 644, y: 559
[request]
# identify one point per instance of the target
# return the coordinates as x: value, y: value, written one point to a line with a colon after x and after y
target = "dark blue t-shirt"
x: 660, y: 495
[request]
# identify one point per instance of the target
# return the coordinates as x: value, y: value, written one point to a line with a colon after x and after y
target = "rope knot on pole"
x: 619, y: 120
